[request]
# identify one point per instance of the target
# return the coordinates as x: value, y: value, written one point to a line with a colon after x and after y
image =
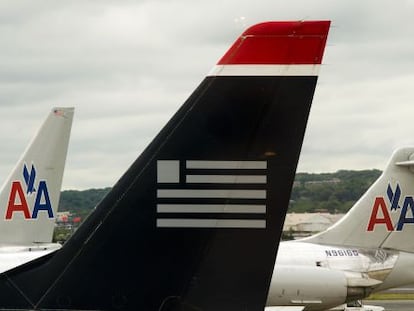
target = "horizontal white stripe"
x: 208, y: 193
x: 211, y: 208
x: 211, y: 223
x: 197, y: 164
x: 226, y: 179
x: 265, y: 70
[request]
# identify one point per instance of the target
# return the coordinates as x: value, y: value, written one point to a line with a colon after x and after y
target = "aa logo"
x: 20, y: 196
x: 382, y: 208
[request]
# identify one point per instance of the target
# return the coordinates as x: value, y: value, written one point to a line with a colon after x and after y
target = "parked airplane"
x: 29, y: 197
x: 369, y: 250
x: 195, y: 222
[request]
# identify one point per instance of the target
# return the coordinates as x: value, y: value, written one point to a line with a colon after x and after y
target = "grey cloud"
x: 127, y: 66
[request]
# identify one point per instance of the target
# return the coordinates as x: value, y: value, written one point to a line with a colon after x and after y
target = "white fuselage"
x: 13, y: 256
x: 320, y: 277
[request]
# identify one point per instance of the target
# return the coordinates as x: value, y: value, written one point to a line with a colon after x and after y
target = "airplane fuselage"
x: 320, y: 277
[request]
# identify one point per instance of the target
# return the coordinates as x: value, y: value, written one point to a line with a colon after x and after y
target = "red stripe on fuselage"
x: 279, y: 43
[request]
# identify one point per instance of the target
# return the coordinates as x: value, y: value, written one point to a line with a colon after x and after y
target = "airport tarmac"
x: 392, y: 305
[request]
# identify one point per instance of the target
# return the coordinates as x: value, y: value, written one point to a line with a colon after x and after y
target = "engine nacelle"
x: 317, y: 288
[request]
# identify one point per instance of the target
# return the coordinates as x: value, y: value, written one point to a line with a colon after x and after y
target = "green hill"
x: 80, y: 203
x: 330, y: 192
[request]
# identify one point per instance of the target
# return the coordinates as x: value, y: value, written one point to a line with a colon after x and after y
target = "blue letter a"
x: 46, y: 206
x: 408, y: 202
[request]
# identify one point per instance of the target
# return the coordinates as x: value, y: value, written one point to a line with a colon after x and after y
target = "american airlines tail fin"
x: 29, y: 198
x: 384, y: 216
x: 195, y: 222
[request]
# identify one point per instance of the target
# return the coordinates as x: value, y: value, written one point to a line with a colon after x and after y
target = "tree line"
x: 330, y: 192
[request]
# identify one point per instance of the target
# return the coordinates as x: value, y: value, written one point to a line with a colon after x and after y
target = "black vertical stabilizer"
x: 195, y: 222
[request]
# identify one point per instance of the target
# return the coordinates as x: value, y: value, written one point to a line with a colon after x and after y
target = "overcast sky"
x: 126, y: 66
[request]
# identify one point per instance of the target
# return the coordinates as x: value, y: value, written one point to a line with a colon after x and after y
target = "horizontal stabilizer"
x: 405, y: 163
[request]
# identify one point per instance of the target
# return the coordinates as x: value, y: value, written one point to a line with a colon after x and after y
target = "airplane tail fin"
x: 195, y: 222
x: 30, y: 196
x: 384, y: 216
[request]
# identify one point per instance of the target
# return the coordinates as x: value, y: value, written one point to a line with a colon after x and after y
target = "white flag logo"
x: 211, y: 194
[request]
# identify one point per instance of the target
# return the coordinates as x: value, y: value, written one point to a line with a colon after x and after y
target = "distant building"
x: 63, y: 217
x: 304, y: 224
x: 67, y: 220
x: 326, y: 181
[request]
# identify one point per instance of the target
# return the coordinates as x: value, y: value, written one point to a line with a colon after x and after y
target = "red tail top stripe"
x: 279, y: 43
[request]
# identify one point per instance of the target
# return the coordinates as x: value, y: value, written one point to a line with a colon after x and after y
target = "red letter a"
x: 21, y: 205
x: 379, y: 202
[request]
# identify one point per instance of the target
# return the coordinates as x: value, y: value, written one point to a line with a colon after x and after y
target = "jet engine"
x: 318, y: 288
